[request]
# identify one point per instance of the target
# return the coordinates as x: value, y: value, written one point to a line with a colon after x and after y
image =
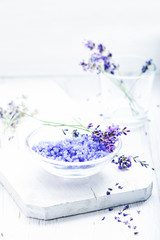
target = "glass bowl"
x: 63, y: 168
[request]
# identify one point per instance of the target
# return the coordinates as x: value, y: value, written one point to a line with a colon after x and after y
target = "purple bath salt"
x: 77, y: 149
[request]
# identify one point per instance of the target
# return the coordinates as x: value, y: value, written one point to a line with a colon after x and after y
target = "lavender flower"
x: 89, y: 44
x: 101, y: 48
x: 124, y: 162
x: 143, y: 163
x: 108, y: 137
x: 146, y: 66
x: 90, y: 125
x: 84, y: 65
x: 10, y: 117
x: 13, y: 113
x: 100, y: 59
x: 75, y: 133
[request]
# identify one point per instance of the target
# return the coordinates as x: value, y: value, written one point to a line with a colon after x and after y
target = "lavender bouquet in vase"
x: 126, y: 83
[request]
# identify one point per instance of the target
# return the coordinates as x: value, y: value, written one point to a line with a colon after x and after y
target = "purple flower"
x: 107, y: 66
x: 110, y: 209
x: 84, y: 65
x: 95, y: 57
x: 126, y: 207
x: 100, y: 59
x: 145, y: 67
x: 125, y: 214
x: 108, y: 137
x: 90, y: 125
x: 125, y: 130
x: 101, y: 48
x: 120, y: 187
x: 89, y: 44
x: 124, y: 162
x: 108, y: 193
x: 12, y: 115
x: 143, y: 163
x: 149, y: 62
x: 75, y: 133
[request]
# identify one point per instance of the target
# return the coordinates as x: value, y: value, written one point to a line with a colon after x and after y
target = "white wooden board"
x: 42, y: 195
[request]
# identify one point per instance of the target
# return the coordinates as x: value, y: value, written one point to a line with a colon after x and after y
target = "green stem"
x: 132, y: 101
x: 57, y: 124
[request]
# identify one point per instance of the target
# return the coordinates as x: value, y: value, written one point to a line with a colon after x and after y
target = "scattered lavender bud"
x: 120, y: 187
x: 125, y: 214
x: 125, y: 222
x: 64, y: 131
x: 108, y: 193
x: 119, y: 213
x: 75, y: 133
x: 110, y: 209
x: 103, y: 218
x: 90, y: 125
x: 126, y: 207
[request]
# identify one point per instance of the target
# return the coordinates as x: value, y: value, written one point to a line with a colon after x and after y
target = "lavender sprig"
x: 11, y: 116
x: 100, y: 60
x: 125, y: 162
x: 143, y: 163
x: 107, y: 137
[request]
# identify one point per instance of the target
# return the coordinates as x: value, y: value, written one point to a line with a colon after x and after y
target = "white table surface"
x: 143, y: 142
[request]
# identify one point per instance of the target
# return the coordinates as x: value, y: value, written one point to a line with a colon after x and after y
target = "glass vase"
x: 126, y: 95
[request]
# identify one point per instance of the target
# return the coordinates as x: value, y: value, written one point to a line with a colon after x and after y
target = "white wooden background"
x: 43, y: 38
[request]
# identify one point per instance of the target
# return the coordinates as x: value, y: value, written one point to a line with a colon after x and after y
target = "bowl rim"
x: 63, y: 163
